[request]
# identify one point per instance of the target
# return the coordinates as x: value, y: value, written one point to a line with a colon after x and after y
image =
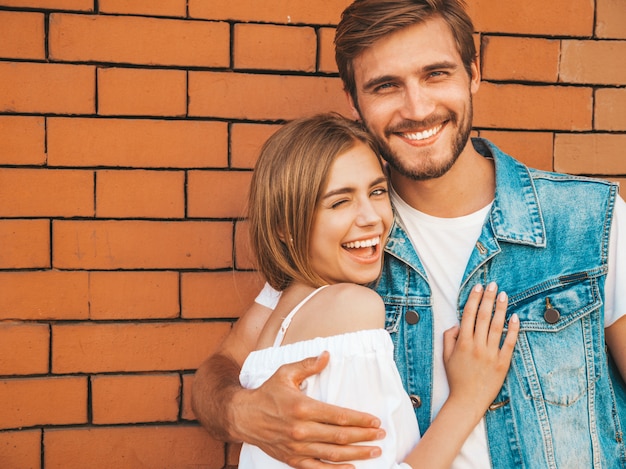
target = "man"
x: 465, y: 213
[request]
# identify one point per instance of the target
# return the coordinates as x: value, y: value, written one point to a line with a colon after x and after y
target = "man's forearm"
x: 215, y: 384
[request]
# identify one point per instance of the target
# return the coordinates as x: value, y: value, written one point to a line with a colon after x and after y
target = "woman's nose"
x: 368, y: 215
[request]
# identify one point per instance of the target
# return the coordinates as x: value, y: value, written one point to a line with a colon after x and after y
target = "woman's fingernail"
x: 502, y: 297
x: 478, y: 288
x: 492, y: 286
x: 514, y: 318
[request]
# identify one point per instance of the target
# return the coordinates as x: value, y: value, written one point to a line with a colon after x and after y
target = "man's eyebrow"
x: 447, y: 65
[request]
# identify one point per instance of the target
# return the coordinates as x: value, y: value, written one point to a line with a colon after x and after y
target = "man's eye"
x: 438, y: 74
x: 383, y: 87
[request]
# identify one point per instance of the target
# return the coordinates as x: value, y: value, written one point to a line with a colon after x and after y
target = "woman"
x: 319, y: 217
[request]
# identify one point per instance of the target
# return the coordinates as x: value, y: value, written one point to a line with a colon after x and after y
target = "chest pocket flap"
x: 560, y: 328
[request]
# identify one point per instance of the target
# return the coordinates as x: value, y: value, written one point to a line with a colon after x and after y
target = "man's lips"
x: 417, y: 131
x: 422, y: 135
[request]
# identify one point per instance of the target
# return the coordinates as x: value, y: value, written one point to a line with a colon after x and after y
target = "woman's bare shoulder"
x: 338, y: 309
x: 349, y: 295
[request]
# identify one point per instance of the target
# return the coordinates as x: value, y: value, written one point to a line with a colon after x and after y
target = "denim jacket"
x: 545, y: 242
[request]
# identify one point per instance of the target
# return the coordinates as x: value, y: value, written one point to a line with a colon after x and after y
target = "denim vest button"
x: 416, y: 401
x: 498, y: 405
x: 412, y: 317
x: 551, y: 316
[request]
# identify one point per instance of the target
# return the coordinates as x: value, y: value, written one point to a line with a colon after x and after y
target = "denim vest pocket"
x: 396, y: 309
x: 393, y: 315
x: 559, y: 339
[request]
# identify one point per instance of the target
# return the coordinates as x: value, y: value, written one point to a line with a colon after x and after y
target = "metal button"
x: 481, y: 248
x: 416, y: 401
x: 551, y: 315
x: 412, y: 317
x: 497, y: 405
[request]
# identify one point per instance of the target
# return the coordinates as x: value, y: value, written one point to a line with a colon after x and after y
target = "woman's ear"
x: 282, y: 237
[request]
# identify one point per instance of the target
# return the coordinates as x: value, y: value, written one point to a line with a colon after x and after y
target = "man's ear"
x: 354, y: 111
x: 475, y: 78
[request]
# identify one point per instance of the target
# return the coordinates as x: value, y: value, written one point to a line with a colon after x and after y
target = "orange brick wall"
x: 128, y: 129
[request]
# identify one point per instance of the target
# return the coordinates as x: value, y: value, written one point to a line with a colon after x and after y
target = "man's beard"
x: 432, y: 170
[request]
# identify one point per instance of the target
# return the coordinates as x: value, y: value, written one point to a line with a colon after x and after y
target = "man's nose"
x: 418, y: 103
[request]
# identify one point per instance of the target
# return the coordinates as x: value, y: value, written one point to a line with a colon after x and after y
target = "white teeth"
x: 366, y: 243
x: 424, y: 134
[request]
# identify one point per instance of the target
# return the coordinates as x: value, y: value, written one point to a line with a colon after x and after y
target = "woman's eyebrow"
x: 348, y: 190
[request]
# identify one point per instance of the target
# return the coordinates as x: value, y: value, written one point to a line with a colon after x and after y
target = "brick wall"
x: 128, y: 129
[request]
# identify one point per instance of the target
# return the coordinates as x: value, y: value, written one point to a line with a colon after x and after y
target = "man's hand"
x: 277, y: 417
x: 300, y: 431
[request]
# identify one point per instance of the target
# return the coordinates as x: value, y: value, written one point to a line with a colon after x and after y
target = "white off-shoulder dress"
x: 361, y: 375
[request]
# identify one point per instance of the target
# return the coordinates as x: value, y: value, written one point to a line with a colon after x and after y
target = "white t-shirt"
x: 449, y: 243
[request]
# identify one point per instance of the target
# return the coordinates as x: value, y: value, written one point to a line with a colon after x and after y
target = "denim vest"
x: 545, y: 243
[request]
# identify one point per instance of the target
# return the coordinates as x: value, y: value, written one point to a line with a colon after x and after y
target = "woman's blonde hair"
x: 288, y: 178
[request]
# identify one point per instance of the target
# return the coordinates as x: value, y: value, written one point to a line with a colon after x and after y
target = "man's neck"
x: 467, y: 187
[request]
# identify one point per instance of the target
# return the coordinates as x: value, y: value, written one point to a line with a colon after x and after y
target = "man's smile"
x: 424, y: 134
